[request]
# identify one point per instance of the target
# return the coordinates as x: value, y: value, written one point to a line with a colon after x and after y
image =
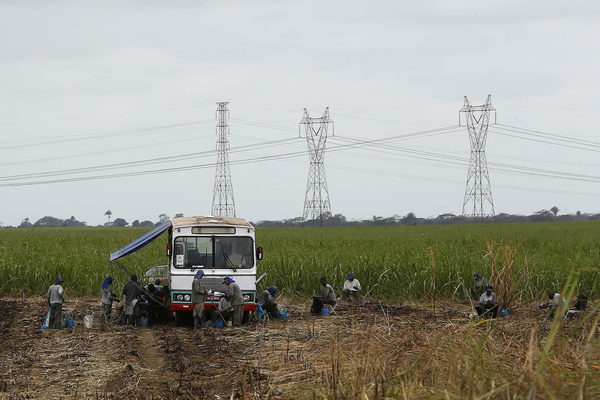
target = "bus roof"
x: 191, y: 221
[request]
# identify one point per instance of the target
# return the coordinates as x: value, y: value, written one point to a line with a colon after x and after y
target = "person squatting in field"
x: 224, y: 310
x: 198, y: 293
x: 131, y: 294
x: 107, y: 297
x: 267, y: 301
x: 56, y: 298
x: 234, y: 295
x: 327, y: 296
x: 488, y: 303
x: 351, y: 288
x: 556, y: 300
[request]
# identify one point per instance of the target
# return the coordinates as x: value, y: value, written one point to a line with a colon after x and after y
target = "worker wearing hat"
x: 198, y: 293
x: 488, y: 303
x: 351, y: 288
x: 234, y: 295
x: 56, y: 298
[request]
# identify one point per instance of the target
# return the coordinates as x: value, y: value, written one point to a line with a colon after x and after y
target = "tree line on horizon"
x: 411, y: 219
x: 550, y: 215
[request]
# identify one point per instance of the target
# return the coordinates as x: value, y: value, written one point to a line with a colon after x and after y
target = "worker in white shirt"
x: 556, y: 300
x: 488, y: 303
x: 351, y: 288
x: 56, y: 298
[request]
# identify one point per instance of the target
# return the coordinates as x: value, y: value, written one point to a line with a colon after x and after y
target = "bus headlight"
x: 187, y: 297
x: 179, y: 297
x: 246, y: 297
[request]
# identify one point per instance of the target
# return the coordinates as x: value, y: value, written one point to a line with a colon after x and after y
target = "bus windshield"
x: 213, y: 252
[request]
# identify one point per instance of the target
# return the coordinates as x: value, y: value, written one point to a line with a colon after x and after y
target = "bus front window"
x: 234, y: 252
x: 193, y: 252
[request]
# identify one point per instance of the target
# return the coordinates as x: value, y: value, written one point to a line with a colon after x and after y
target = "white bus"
x: 220, y: 246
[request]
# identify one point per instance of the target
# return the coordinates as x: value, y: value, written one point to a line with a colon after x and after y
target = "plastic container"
x: 218, y: 324
x: 283, y: 315
x: 88, y: 321
x: 325, y: 311
x: 504, y: 313
x: 69, y: 323
x: 46, y: 320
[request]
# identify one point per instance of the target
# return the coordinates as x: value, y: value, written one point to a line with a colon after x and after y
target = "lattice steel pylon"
x: 223, y: 204
x: 478, y: 200
x: 316, y: 199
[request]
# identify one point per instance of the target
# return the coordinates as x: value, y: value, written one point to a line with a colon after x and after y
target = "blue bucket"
x: 69, y: 323
x: 143, y: 321
x: 325, y: 311
x: 283, y: 315
x: 218, y: 324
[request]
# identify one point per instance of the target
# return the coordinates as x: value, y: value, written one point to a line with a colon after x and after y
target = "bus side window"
x: 179, y: 255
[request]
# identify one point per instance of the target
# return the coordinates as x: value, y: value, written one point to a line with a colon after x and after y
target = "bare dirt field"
x: 367, y: 352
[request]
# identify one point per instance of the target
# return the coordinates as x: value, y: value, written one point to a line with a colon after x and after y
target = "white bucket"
x: 88, y: 321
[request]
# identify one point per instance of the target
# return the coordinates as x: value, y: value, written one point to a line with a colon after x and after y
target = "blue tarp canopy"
x: 140, y: 242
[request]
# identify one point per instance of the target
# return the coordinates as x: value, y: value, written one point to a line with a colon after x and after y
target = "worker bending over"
x: 234, y: 295
x: 267, y: 300
x: 107, y: 297
x: 225, y: 310
x: 56, y: 298
x: 556, y: 300
x: 488, y: 303
x: 351, y: 288
x: 198, y: 293
x: 327, y: 296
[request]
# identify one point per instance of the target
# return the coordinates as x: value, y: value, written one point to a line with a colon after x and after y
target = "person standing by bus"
x: 237, y: 300
x: 107, y: 297
x: 56, y: 298
x: 131, y: 294
x: 198, y: 293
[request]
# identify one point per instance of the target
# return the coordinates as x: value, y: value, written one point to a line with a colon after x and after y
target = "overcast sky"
x: 87, y: 83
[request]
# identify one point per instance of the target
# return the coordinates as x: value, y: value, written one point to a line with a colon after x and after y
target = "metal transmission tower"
x: 478, y: 193
x: 316, y: 200
x: 223, y: 204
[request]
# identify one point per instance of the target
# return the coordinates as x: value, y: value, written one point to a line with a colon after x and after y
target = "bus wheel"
x: 246, y: 318
x: 180, y: 318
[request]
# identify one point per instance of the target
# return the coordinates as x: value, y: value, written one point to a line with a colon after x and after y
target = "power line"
x: 66, y: 139
x: 138, y: 163
x: 93, y: 153
x: 382, y: 144
x: 181, y: 157
x: 552, y: 135
x: 459, y: 161
x: 423, y: 177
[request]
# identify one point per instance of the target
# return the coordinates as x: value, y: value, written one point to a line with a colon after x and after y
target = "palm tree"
x: 163, y: 217
x: 108, y: 213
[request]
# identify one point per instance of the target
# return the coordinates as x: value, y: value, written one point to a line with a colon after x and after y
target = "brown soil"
x: 278, y: 360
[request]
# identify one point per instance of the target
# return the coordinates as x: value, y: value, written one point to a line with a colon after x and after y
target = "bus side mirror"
x: 259, y: 253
